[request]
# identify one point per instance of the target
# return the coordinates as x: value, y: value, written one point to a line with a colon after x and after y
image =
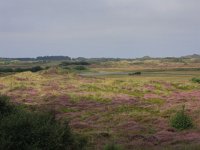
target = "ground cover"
x: 132, y: 111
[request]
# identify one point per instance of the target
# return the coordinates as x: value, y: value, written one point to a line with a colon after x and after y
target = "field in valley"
x: 106, y: 103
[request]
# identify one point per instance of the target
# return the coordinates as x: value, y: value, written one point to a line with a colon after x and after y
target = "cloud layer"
x: 99, y: 28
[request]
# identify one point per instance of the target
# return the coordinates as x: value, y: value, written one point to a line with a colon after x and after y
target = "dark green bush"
x: 5, y: 107
x: 32, y: 69
x: 80, y: 68
x: 68, y: 63
x: 135, y: 73
x: 196, y: 80
x: 36, y: 69
x: 181, y: 120
x: 6, y: 70
x: 26, y: 130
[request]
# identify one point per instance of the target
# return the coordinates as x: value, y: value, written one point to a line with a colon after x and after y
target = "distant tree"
x: 51, y: 58
x: 68, y: 63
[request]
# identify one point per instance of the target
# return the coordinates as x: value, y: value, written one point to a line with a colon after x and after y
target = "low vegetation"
x: 181, y: 120
x: 80, y: 68
x: 22, y: 129
x: 32, y: 69
x: 135, y: 73
x: 102, y: 102
x: 196, y: 80
x: 69, y: 63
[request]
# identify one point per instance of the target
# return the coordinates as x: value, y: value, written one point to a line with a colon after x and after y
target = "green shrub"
x: 134, y: 73
x: 32, y: 69
x: 80, y: 68
x: 5, y: 107
x: 68, y: 63
x: 23, y: 129
x: 36, y: 69
x: 181, y: 120
x: 196, y: 80
x: 6, y: 70
x: 113, y: 147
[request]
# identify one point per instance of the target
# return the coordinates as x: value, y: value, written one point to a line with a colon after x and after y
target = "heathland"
x: 124, y: 103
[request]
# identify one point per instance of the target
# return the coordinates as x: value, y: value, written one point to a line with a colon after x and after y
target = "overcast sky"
x: 99, y: 28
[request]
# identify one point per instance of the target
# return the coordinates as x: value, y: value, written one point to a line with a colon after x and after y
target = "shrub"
x: 5, y: 107
x: 6, y: 70
x: 181, y: 120
x: 80, y: 68
x: 23, y: 129
x: 74, y: 63
x: 196, y: 80
x: 32, y: 69
x: 134, y: 73
x: 36, y: 69
x: 112, y: 147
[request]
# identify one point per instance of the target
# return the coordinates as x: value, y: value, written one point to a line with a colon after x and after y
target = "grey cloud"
x: 92, y: 28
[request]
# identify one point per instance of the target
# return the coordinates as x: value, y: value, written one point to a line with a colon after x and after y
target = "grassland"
x: 106, y: 104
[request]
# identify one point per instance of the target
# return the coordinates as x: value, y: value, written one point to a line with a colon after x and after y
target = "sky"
x: 99, y: 28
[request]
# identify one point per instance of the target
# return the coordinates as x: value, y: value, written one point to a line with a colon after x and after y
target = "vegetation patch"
x: 183, y: 86
x: 196, y: 80
x: 22, y: 129
x: 67, y: 109
x: 158, y: 101
x: 80, y: 68
x: 97, y: 97
x: 135, y: 73
x: 181, y: 120
x: 135, y: 110
x: 69, y: 63
x: 32, y: 69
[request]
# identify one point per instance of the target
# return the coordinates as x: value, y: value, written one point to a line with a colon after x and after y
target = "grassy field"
x: 106, y: 104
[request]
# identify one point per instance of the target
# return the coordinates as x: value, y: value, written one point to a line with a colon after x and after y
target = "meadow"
x: 107, y: 104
